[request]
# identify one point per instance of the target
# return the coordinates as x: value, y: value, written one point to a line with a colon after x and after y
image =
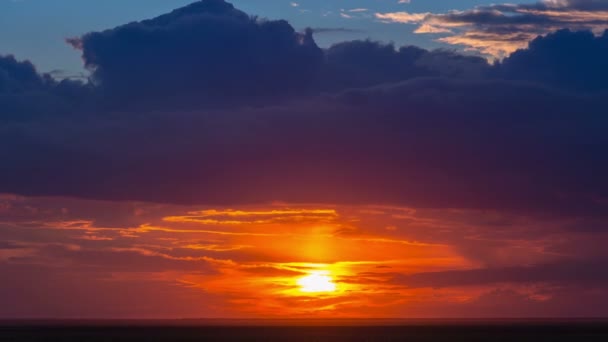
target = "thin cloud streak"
x: 501, y: 29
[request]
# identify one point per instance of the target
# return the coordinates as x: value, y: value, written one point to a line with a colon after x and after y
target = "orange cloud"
x: 429, y: 262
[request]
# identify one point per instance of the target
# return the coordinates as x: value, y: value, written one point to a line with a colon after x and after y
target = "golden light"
x: 318, y: 281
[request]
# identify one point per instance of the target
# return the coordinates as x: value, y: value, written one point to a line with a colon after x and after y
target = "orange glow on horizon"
x: 308, y: 261
x: 302, y: 261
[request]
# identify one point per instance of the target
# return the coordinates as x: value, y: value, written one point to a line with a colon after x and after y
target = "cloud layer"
x: 67, y: 258
x: 208, y: 105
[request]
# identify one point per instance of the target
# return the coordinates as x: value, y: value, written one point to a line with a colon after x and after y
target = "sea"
x: 431, y: 330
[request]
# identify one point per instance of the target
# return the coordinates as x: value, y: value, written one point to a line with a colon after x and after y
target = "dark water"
x: 297, y: 331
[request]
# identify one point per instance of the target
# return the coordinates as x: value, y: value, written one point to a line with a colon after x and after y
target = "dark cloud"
x: 207, y: 52
x: 122, y: 260
x: 565, y: 6
x: 21, y: 89
x: 425, y: 142
x: 26, y: 95
x: 464, y: 136
x: 576, y: 60
x: 540, y: 302
x: 564, y: 272
x: 366, y: 63
x: 35, y: 291
x: 17, y: 77
x: 9, y: 245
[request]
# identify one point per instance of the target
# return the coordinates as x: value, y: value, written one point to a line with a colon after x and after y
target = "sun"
x: 318, y: 281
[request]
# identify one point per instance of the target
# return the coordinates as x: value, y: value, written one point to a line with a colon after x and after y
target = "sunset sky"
x: 303, y: 159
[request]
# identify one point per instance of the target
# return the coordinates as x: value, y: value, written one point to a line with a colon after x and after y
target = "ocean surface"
x: 306, y: 330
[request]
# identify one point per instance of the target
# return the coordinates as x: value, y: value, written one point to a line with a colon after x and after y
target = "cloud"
x: 207, y: 52
x: 34, y: 291
x: 239, y: 217
x: 361, y: 122
x: 25, y: 94
x: 18, y: 76
x: 501, y: 29
x: 541, y: 259
x: 564, y: 272
x: 550, y: 59
x: 402, y: 17
x: 131, y: 259
x: 425, y: 142
x: 358, y: 64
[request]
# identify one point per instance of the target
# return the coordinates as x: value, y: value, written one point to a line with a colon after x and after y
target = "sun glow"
x: 319, y: 281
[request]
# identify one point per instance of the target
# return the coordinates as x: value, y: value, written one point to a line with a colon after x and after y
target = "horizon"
x: 275, y: 322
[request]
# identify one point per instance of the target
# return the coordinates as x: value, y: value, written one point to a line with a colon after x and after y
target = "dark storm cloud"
x: 21, y: 88
x: 211, y: 53
x: 205, y: 52
x: 461, y: 137
x: 16, y: 76
x: 425, y: 142
x: 27, y: 95
x: 365, y: 63
x: 576, y: 60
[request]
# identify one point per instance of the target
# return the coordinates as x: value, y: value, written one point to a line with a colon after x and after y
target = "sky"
x: 308, y: 159
x: 37, y: 29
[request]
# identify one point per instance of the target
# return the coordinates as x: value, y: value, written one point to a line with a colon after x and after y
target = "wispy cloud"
x: 499, y: 30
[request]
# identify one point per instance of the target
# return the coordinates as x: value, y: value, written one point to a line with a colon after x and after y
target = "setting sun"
x: 319, y: 281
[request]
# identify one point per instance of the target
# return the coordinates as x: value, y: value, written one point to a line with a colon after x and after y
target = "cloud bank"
x: 209, y: 105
